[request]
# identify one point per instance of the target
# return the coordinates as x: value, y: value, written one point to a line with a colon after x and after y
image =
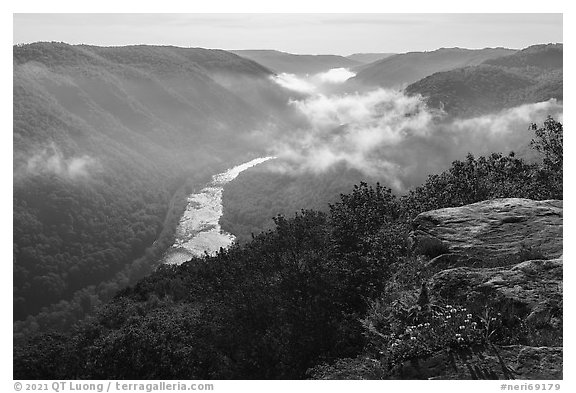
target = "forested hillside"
x: 336, y: 294
x: 403, y: 69
x: 538, y: 57
x: 297, y: 64
x: 533, y: 74
x: 474, y: 103
x: 105, y: 139
x: 367, y: 58
x: 256, y: 196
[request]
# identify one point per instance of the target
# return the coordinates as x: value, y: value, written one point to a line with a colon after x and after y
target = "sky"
x: 341, y: 34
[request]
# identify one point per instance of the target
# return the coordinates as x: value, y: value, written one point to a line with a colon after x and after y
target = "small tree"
x: 549, y: 142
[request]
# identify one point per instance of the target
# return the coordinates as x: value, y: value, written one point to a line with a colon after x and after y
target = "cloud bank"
x: 395, y: 138
x: 316, y: 83
x: 294, y: 83
x: 51, y: 160
x: 335, y: 75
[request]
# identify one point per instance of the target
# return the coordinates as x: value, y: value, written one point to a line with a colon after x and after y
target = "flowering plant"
x: 436, y: 328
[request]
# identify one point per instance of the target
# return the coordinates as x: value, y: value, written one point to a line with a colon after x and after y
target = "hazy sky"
x: 342, y: 34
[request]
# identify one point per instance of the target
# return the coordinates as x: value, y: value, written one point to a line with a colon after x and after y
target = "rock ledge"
x: 496, y: 232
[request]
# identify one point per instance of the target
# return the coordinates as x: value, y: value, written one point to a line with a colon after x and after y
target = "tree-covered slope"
x: 543, y: 56
x: 158, y: 92
x: 104, y: 139
x: 254, y: 198
x: 528, y: 76
x: 296, y: 64
x: 367, y: 58
x: 403, y: 69
x: 336, y: 294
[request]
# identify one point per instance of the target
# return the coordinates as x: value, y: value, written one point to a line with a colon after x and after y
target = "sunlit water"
x: 198, y: 231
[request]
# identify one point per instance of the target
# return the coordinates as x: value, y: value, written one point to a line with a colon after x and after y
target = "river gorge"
x: 199, y: 230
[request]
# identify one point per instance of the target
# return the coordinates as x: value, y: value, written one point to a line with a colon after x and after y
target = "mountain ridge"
x: 296, y: 64
x: 118, y: 131
x: 109, y: 143
x: 406, y: 68
x: 367, y: 58
x: 531, y: 75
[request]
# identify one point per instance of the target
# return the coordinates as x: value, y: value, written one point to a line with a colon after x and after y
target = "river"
x: 199, y: 230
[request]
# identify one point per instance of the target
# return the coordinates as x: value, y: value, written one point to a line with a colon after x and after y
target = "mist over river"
x: 199, y: 231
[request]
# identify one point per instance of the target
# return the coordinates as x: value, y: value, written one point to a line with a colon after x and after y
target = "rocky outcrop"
x: 502, y: 260
x: 491, y: 233
x: 508, y: 362
x: 528, y: 294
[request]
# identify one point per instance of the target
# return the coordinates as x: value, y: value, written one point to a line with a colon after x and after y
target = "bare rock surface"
x: 495, y: 232
x: 508, y: 362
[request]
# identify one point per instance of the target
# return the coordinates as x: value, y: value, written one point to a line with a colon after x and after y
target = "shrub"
x: 355, y: 368
x: 443, y: 327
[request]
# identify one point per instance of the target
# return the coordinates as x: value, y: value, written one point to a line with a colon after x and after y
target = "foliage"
x: 544, y: 56
x: 269, y: 309
x: 478, y: 179
x: 549, y: 142
x: 407, y: 330
x: 323, y: 294
x: 104, y: 139
x: 361, y: 367
x: 256, y: 196
x: 440, y: 328
x: 45, y: 356
x: 528, y: 76
x: 406, y: 68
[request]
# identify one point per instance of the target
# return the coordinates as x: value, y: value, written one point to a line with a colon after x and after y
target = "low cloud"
x: 335, y: 75
x: 51, y: 160
x: 313, y: 84
x: 395, y: 138
x: 294, y: 83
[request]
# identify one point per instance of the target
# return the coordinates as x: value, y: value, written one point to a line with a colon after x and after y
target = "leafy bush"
x: 482, y: 178
x: 400, y: 332
x: 357, y: 368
